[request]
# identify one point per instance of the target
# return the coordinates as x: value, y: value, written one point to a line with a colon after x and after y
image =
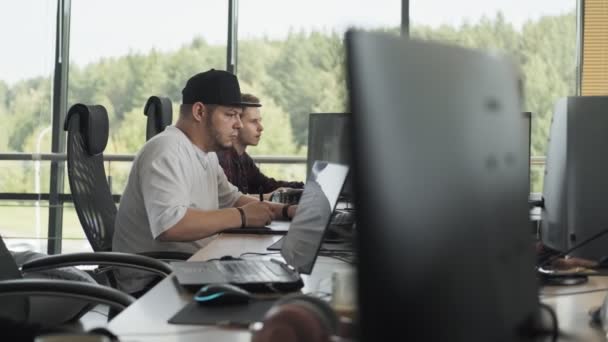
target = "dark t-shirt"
x: 242, y: 172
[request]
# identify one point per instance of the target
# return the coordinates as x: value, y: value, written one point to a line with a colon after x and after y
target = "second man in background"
x: 240, y: 169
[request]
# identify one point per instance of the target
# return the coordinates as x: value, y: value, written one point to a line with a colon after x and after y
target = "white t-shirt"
x: 169, y: 175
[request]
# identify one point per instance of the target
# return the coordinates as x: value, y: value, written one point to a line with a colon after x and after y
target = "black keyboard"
x: 245, y: 271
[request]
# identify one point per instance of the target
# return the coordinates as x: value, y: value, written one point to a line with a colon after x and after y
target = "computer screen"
x: 575, y: 190
x: 329, y: 140
x: 303, y: 240
x: 441, y: 190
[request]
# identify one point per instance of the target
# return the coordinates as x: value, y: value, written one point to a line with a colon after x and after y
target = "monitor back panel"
x: 441, y: 190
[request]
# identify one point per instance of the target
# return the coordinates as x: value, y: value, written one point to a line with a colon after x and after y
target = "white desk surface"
x: 146, y: 319
x: 572, y: 305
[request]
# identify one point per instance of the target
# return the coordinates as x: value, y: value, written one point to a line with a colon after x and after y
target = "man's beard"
x: 216, y: 137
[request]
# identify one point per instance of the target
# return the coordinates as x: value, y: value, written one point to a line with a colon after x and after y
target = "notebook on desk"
x: 299, y: 250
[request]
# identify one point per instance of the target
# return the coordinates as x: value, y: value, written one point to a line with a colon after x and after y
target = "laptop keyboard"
x: 249, y: 271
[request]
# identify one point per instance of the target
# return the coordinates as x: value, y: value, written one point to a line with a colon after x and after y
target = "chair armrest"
x: 66, y: 288
x: 98, y: 258
x: 164, y: 255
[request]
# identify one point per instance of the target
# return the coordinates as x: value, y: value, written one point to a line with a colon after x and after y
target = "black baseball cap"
x: 216, y: 87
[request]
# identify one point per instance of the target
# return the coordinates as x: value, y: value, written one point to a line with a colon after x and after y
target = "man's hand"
x: 286, y: 195
x: 572, y: 262
x: 257, y: 214
x: 291, y: 211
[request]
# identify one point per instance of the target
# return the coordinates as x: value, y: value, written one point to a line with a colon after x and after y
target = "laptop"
x: 299, y: 250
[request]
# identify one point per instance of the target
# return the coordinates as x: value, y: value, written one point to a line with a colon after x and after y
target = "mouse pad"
x: 239, y: 314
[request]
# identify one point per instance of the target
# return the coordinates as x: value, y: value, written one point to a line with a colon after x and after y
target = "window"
x: 26, y: 83
x: 291, y: 55
x: 122, y: 52
x: 539, y: 35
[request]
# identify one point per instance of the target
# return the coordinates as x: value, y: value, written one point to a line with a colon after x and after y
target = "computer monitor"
x: 441, y: 192
x: 575, y: 190
x: 329, y: 140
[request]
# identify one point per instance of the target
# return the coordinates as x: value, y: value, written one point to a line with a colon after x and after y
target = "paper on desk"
x: 279, y: 225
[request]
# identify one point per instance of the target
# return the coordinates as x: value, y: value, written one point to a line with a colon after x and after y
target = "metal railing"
x: 130, y: 157
x: 109, y: 158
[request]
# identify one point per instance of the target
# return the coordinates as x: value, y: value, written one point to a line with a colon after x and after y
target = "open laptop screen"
x: 316, y: 205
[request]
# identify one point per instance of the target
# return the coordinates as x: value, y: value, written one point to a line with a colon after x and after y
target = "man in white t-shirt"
x: 177, y: 196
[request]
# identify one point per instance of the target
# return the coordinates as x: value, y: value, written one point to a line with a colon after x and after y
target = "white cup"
x: 343, y: 294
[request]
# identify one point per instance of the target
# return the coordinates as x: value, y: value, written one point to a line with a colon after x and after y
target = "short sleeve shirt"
x: 168, y: 176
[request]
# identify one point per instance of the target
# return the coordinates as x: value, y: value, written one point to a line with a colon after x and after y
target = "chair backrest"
x: 160, y: 115
x: 87, y: 128
x: 13, y: 308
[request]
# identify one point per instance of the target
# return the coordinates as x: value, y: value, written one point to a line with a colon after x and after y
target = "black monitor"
x: 441, y: 190
x: 575, y: 190
x: 329, y: 140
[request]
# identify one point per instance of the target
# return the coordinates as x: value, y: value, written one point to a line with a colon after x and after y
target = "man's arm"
x: 198, y: 224
x: 258, y: 181
x: 276, y: 208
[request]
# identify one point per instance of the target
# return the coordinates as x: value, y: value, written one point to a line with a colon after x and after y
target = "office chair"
x: 160, y: 115
x: 87, y: 128
x: 47, y: 293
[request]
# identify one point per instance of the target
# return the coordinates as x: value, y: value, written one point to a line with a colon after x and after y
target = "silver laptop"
x: 300, y: 247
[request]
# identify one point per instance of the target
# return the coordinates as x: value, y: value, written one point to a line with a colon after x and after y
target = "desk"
x: 146, y: 319
x: 573, y: 310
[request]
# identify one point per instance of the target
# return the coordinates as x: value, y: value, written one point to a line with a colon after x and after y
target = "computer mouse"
x: 222, y: 294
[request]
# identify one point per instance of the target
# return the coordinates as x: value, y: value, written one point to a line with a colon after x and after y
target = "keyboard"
x: 249, y: 271
x: 342, y: 218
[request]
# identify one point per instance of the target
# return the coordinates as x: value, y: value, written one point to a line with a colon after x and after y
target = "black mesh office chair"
x: 54, y: 295
x: 160, y: 115
x: 87, y: 128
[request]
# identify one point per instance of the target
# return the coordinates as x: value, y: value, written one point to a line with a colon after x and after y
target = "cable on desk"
x: 255, y: 253
x: 99, y: 313
x: 555, y: 326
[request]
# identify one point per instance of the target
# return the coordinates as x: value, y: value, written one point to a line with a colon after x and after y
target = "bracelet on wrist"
x: 285, y: 211
x: 243, y: 217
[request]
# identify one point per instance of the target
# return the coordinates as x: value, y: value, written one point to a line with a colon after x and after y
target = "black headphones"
x: 297, y: 318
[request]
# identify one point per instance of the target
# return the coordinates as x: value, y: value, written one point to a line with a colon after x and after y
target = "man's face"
x: 252, y: 127
x: 223, y: 126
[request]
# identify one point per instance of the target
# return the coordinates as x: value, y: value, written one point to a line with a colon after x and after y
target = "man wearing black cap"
x: 177, y: 195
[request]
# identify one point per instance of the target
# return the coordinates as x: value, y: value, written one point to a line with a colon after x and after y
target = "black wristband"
x: 243, y: 217
x: 284, y: 211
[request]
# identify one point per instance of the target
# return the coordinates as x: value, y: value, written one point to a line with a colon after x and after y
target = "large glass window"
x: 539, y: 35
x: 291, y: 55
x: 122, y: 52
x: 27, y: 31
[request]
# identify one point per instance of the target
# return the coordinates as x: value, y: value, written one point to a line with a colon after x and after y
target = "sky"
x: 109, y: 28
